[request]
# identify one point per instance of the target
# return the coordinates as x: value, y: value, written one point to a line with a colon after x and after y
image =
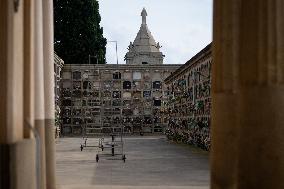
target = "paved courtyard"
x: 152, y: 163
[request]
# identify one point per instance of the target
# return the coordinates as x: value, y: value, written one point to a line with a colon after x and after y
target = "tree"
x: 77, y: 32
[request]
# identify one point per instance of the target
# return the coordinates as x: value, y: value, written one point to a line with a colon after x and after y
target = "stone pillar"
x: 28, y: 67
x: 4, y: 58
x: 11, y: 73
x: 49, y: 97
x: 261, y: 79
x: 248, y: 95
x: 39, y: 89
x: 224, y: 130
x: 28, y: 150
x: 17, y: 155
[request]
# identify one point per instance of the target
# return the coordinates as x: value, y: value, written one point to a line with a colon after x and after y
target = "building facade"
x: 247, y: 109
x: 111, y: 97
x: 144, y: 49
x: 189, y: 104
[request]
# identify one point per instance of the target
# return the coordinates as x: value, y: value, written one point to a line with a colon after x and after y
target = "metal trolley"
x: 85, y: 145
x: 111, y: 148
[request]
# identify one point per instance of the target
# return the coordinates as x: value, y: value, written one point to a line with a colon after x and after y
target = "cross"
x: 144, y: 14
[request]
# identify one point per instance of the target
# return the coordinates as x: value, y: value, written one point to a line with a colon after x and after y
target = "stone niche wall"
x: 66, y: 75
x: 127, y: 76
x: 114, y: 90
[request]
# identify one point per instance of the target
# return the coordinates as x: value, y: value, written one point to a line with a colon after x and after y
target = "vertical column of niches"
x: 190, y: 97
x: 95, y: 127
x: 165, y: 99
x: 86, y: 98
x: 126, y: 111
x: 108, y: 94
x: 157, y: 100
x: 77, y: 120
x: 66, y: 102
x: 116, y: 102
x: 137, y: 100
x: 146, y: 115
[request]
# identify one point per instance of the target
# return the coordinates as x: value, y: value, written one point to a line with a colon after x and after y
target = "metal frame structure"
x: 106, y: 143
x: 116, y: 148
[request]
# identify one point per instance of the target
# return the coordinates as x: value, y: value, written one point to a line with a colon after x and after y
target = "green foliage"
x: 77, y: 31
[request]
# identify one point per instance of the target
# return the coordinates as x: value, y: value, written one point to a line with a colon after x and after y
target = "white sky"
x: 183, y: 27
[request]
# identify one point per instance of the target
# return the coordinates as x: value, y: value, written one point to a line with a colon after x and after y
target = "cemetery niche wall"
x: 189, y: 101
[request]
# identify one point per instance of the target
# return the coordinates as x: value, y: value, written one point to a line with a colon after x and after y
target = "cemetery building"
x: 104, y: 98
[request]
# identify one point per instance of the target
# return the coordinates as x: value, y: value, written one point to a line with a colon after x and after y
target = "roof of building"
x: 121, y: 66
x: 144, y: 41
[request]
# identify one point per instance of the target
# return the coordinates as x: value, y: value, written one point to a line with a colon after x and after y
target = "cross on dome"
x: 144, y: 48
x: 144, y: 14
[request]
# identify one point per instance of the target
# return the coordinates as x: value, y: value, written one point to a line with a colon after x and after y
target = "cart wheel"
x: 124, y: 158
x: 97, y: 158
x: 81, y: 147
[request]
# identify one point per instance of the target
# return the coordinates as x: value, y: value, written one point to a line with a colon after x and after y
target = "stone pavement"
x: 152, y: 163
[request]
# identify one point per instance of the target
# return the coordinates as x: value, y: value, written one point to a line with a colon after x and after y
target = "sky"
x: 182, y: 27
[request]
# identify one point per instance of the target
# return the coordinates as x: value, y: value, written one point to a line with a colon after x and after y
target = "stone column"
x: 11, y: 98
x: 248, y: 95
x: 261, y: 79
x: 224, y: 131
x: 39, y: 88
x: 28, y: 67
x: 49, y: 97
x: 11, y: 73
x: 29, y: 155
x: 4, y: 60
x: 17, y: 157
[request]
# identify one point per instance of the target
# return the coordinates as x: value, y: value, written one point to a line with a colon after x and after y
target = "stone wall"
x: 189, y: 102
x: 106, y: 98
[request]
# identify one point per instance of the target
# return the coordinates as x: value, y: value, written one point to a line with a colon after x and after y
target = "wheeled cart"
x: 85, y: 145
x: 111, y: 148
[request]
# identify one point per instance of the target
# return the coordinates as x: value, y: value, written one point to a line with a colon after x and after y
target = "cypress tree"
x: 77, y: 31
